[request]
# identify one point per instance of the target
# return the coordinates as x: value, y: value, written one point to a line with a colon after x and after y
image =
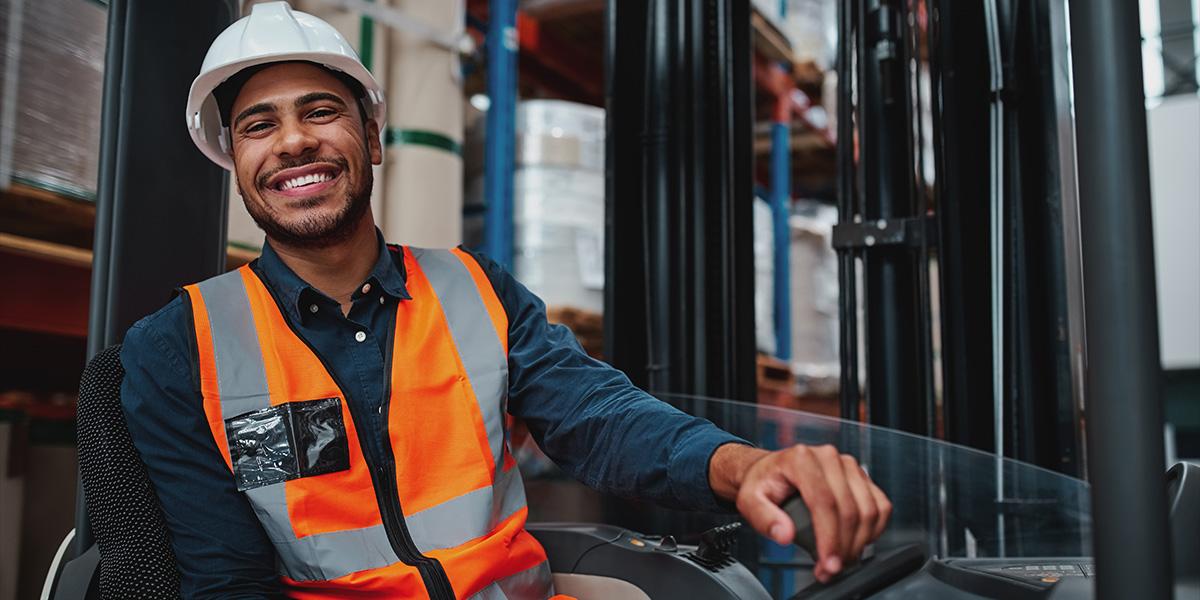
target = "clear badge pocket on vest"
x: 288, y: 441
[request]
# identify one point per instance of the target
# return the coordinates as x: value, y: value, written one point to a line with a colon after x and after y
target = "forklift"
x: 1061, y: 167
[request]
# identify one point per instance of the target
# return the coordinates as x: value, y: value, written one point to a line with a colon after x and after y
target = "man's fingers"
x: 868, y: 513
x: 847, y: 508
x: 882, y: 504
x: 806, y: 475
x: 766, y: 517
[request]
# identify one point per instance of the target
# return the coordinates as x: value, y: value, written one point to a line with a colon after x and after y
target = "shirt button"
x: 381, y: 299
x: 360, y: 336
x: 366, y: 288
x: 312, y: 308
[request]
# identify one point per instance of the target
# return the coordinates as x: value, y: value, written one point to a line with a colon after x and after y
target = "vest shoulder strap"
x: 465, y: 292
x: 231, y: 358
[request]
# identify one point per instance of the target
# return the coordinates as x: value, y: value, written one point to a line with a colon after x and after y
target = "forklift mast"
x: 1017, y: 239
x: 161, y: 205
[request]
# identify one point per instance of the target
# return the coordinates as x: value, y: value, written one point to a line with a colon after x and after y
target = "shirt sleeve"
x: 592, y: 421
x: 220, y: 547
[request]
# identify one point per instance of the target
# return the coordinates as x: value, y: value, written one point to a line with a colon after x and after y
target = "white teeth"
x: 305, y: 180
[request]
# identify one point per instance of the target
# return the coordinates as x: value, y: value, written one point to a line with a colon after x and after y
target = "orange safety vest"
x: 447, y: 518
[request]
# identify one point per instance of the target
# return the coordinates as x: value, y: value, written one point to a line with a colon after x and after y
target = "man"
x: 329, y: 420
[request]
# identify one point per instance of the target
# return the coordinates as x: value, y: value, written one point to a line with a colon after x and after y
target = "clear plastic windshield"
x: 957, y: 501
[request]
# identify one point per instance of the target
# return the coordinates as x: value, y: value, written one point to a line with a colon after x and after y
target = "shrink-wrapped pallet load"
x: 814, y: 281
x: 558, y: 202
x: 764, y: 277
x: 811, y: 28
x: 51, y: 78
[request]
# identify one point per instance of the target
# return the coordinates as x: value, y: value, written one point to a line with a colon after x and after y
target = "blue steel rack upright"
x: 499, y: 148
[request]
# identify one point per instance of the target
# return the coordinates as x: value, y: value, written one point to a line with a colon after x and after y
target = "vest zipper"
x: 432, y: 573
x: 383, y: 477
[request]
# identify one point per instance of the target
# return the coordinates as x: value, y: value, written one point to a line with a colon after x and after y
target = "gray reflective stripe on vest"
x: 531, y: 584
x: 322, y: 556
x: 491, y: 592
x: 469, y: 516
x: 475, y: 338
x: 242, y: 383
x: 241, y: 376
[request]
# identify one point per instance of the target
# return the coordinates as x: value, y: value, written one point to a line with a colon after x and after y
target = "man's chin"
x: 314, y: 228
x: 312, y: 222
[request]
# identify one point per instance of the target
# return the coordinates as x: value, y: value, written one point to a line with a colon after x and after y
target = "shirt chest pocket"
x: 287, y: 441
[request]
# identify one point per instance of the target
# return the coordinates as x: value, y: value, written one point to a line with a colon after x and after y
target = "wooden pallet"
x: 46, y: 257
x: 777, y: 387
x: 587, y: 325
x: 39, y: 214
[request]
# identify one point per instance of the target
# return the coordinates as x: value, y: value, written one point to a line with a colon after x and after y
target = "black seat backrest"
x: 136, y: 560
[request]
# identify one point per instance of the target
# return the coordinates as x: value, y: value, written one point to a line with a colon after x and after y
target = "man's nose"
x: 294, y: 139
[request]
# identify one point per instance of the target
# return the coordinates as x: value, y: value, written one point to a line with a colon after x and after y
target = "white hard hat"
x: 273, y: 32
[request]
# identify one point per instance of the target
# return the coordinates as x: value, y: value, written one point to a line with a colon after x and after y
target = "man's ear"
x: 374, y: 147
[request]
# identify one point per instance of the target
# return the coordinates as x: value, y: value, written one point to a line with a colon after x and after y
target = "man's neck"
x: 337, y: 270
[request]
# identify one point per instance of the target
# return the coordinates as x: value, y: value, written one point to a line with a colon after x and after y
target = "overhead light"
x: 481, y: 102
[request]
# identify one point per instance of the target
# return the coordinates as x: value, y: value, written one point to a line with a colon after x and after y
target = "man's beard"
x: 318, y: 232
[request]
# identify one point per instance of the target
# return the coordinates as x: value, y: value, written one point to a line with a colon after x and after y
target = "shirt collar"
x: 296, y: 295
x: 389, y: 272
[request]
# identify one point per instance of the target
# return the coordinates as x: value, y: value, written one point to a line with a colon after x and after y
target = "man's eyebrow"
x: 261, y: 107
x: 311, y: 97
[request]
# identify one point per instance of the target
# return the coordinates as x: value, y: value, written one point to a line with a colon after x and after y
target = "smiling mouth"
x: 304, y: 179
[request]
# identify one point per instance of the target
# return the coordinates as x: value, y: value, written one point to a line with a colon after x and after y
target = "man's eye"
x: 258, y: 127
x: 322, y: 113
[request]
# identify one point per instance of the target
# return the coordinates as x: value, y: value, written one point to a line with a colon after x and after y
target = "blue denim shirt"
x: 584, y: 414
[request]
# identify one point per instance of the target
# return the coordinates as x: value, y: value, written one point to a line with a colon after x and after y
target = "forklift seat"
x: 122, y: 508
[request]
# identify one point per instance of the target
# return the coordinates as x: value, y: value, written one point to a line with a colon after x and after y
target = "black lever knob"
x: 802, y: 519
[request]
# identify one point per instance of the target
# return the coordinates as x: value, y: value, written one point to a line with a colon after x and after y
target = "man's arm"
x: 219, y: 544
x: 592, y: 421
x: 606, y: 432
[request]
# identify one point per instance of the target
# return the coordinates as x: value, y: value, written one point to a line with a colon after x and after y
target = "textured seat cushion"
x: 127, y: 523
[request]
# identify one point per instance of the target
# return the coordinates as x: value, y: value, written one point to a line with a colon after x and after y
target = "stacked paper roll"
x: 423, y: 179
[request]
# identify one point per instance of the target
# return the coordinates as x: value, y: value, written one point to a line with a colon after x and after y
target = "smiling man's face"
x: 302, y: 154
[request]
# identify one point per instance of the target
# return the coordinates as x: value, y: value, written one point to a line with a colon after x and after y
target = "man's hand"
x: 848, y: 510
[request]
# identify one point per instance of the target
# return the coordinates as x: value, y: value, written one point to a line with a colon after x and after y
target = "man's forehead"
x: 287, y: 81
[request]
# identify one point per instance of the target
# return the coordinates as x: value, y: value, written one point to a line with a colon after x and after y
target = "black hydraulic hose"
x: 656, y: 190
x: 848, y: 296
x: 912, y: 59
